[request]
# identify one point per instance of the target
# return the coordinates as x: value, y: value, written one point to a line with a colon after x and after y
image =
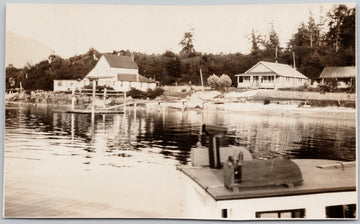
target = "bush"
x: 225, y: 81
x: 222, y: 82
x: 213, y: 81
x: 152, y: 94
x: 137, y: 94
x: 330, y: 85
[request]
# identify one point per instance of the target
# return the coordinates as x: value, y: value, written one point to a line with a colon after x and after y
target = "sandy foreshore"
x: 259, y: 108
x: 287, y: 109
x: 248, y: 107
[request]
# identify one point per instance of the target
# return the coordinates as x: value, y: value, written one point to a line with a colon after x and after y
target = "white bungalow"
x: 272, y: 76
x: 118, y: 72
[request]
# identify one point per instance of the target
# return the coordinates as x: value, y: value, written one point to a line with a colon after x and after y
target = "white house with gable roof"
x: 118, y: 72
x: 269, y: 75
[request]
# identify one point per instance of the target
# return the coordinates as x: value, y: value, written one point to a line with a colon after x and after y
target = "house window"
x: 241, y: 79
x: 294, y: 213
x: 341, y: 211
x: 59, y: 83
x: 265, y: 79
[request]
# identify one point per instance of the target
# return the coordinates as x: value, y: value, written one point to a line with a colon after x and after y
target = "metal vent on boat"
x: 257, y: 173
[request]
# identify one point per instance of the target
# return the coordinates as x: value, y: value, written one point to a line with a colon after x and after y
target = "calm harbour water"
x: 134, y: 155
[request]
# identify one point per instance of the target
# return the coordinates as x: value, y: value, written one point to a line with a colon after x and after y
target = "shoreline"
x: 233, y: 107
x: 293, y: 110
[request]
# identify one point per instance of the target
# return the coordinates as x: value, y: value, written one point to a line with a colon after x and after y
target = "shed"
x: 345, y: 76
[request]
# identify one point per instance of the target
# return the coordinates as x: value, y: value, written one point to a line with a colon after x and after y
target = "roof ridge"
x: 279, y: 68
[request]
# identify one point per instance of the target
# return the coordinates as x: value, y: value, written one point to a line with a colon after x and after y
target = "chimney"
x: 132, y: 57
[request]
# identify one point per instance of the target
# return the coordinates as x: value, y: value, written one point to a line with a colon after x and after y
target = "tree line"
x: 314, y: 46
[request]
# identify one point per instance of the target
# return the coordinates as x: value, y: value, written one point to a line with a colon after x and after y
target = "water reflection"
x: 172, y: 133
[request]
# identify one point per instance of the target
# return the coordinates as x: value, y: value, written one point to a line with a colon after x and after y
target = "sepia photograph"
x: 200, y: 112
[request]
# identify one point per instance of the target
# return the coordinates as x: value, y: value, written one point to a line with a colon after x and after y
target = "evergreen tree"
x: 187, y: 45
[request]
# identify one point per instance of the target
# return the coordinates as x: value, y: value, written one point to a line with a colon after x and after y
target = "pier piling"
x: 93, y: 97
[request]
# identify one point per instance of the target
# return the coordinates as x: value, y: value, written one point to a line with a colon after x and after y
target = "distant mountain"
x: 21, y: 50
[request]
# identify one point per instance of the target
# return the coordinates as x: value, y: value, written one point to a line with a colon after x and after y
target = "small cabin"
x: 344, y: 76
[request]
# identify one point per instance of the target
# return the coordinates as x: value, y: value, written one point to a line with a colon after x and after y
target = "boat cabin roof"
x: 320, y: 176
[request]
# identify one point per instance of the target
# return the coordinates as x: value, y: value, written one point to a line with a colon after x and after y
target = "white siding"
x: 116, y: 71
x: 102, y: 68
x: 152, y: 86
x: 108, y: 76
x: 135, y: 85
x: 200, y: 205
x: 289, y: 82
x: 107, y: 82
x: 66, y: 85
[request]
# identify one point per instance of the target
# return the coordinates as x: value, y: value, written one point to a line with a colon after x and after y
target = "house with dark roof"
x: 119, y: 72
x: 269, y: 75
x: 116, y: 71
x: 345, y: 76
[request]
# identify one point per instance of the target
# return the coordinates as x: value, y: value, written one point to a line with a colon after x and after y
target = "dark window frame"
x: 345, y: 210
x: 300, y: 211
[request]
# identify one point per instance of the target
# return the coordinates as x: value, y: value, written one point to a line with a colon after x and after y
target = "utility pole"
x: 294, y: 64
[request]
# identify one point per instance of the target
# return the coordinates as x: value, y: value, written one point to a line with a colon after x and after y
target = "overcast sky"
x: 73, y: 29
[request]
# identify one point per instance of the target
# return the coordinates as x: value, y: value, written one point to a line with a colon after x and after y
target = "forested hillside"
x: 314, y: 46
